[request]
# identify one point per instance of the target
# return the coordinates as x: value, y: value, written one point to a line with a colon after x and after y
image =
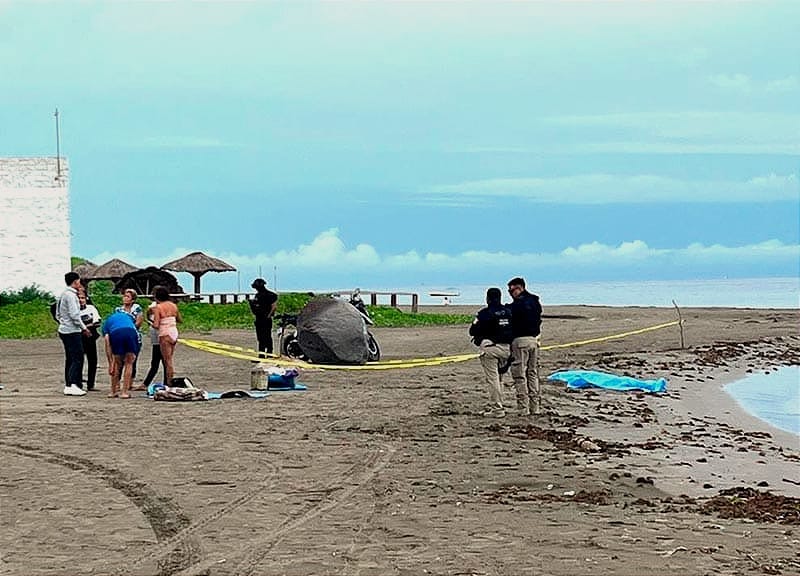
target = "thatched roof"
x: 198, y: 263
x: 144, y: 280
x: 112, y: 270
x: 85, y: 269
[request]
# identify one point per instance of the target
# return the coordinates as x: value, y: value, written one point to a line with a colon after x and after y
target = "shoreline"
x: 754, y: 380
x: 717, y: 412
x: 570, y: 310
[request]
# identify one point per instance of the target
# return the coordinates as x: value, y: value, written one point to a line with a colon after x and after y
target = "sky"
x: 387, y: 144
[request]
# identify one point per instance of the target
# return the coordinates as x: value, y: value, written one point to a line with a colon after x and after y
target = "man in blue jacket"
x: 526, y: 323
x: 491, y: 331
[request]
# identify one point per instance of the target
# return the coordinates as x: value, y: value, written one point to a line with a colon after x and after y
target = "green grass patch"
x: 27, y: 320
x: 393, y: 318
x: 26, y: 314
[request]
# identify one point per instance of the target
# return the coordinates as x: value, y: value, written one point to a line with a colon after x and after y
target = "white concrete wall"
x: 34, y: 224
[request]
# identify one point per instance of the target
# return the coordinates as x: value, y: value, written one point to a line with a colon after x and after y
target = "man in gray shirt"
x: 70, y: 329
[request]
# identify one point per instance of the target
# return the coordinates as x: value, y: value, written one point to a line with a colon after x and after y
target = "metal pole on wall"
x: 58, y: 148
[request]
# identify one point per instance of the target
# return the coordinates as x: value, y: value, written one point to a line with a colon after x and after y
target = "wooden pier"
x: 376, y: 298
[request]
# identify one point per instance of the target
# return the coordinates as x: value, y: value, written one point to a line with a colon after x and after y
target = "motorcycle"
x: 373, y: 350
x: 290, y: 344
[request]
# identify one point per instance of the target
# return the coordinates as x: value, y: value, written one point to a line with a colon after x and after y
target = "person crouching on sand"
x: 122, y: 346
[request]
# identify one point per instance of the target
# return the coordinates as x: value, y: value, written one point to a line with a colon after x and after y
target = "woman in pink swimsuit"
x: 165, y: 319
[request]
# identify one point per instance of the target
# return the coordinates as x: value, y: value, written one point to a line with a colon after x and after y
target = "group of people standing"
x: 78, y: 324
x: 509, y: 333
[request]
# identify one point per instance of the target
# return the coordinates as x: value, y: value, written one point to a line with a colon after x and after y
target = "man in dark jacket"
x: 263, y: 308
x: 491, y: 331
x: 526, y: 322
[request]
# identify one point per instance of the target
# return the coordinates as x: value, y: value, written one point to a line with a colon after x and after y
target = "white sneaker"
x: 73, y: 390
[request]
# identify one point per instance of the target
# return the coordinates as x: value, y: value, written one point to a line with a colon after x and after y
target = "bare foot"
x: 112, y: 395
x: 124, y: 395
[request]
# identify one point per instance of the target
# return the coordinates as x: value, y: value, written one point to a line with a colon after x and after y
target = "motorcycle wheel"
x: 291, y: 347
x: 373, y: 350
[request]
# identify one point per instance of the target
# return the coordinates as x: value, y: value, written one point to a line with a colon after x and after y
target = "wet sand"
x: 396, y: 472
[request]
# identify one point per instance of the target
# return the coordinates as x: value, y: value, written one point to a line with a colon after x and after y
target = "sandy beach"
x: 396, y: 472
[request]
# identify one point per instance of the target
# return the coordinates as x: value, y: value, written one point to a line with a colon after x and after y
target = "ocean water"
x: 727, y: 293
x: 773, y: 397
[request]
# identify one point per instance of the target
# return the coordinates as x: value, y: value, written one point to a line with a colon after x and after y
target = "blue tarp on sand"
x: 589, y: 378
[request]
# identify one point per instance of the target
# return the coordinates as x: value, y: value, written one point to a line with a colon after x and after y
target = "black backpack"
x: 53, y: 308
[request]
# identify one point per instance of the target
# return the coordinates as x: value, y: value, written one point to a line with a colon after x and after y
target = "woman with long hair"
x: 165, y: 319
x: 155, y: 351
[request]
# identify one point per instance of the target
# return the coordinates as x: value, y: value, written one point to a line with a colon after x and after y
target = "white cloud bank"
x: 328, y: 263
x: 689, y: 131
x: 612, y: 188
x: 743, y: 83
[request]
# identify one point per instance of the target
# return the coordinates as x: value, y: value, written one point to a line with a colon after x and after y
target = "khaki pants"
x: 525, y: 371
x: 491, y: 356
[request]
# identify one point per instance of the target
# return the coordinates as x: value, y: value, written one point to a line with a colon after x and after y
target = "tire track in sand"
x: 336, y: 492
x: 165, y: 517
x: 181, y: 538
x: 177, y: 550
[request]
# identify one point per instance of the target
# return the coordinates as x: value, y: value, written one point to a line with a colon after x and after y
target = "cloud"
x: 687, y: 132
x: 788, y: 84
x: 743, y: 83
x: 327, y: 261
x: 737, y: 82
x: 616, y: 189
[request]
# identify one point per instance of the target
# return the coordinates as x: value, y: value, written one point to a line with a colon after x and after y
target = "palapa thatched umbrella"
x: 113, y: 270
x: 198, y: 264
x: 144, y: 280
x: 85, y: 269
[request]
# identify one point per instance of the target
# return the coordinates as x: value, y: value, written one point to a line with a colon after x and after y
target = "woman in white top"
x: 91, y: 318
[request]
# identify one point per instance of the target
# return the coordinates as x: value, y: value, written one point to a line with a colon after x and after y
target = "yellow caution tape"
x: 611, y: 337
x: 253, y: 355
